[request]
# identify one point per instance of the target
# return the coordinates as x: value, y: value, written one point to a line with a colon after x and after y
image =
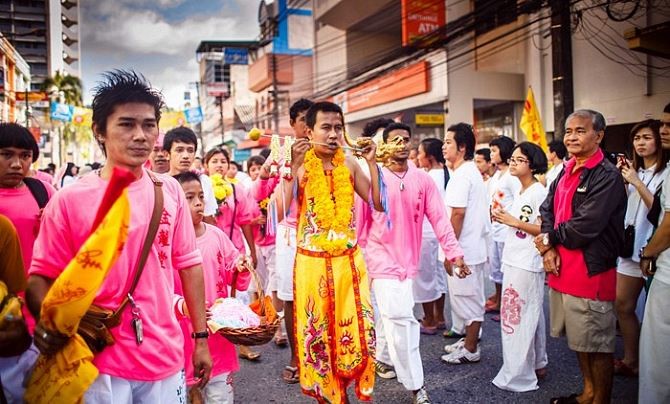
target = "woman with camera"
x: 644, y: 176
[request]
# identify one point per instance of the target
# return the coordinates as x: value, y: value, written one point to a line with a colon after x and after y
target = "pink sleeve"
x: 438, y: 218
x: 261, y: 189
x: 54, y: 246
x: 185, y: 254
x: 246, y: 206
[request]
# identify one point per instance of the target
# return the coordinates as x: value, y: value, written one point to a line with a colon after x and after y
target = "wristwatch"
x: 644, y: 257
x: 545, y: 239
x: 201, y: 334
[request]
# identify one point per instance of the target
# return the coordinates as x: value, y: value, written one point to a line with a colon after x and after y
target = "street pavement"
x: 260, y: 382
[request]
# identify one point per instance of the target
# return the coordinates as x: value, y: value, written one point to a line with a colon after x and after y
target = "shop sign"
x: 33, y: 96
x: 429, y: 119
x: 421, y: 17
x: 402, y: 83
x: 217, y: 89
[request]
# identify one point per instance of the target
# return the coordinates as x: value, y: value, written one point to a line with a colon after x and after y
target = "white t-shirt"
x: 663, y: 260
x: 553, y: 173
x: 636, y: 210
x: 210, y: 200
x: 466, y: 190
x: 437, y: 176
x: 505, y: 186
x: 519, y: 250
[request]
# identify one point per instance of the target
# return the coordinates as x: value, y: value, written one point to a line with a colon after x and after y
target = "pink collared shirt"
x: 394, y: 253
x: 66, y: 224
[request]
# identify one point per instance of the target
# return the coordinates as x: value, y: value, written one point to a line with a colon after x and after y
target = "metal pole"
x: 561, y: 51
x: 275, y: 94
x: 27, y: 112
x: 223, y: 133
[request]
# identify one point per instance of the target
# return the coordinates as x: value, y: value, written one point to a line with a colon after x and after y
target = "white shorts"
x: 266, y: 269
x: 431, y: 281
x: 285, y: 249
x: 629, y: 267
x: 112, y: 390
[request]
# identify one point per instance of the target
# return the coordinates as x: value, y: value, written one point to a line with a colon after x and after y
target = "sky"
x: 158, y: 38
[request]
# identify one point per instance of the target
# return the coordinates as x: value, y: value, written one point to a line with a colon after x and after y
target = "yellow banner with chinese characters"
x: 531, y: 124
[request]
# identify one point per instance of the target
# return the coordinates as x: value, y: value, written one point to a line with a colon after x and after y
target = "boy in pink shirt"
x: 392, y: 254
x: 220, y: 260
x: 140, y: 366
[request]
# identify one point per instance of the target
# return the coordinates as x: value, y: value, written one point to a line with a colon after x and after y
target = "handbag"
x: 628, y: 242
x: 95, y: 326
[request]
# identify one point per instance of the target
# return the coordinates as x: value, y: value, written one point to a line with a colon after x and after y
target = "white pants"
x: 266, y: 269
x: 219, y: 389
x: 655, y: 346
x: 495, y: 260
x: 523, y: 329
x: 431, y: 281
x: 285, y: 250
x: 395, y: 302
x: 467, y: 298
x: 115, y: 390
x: 14, y: 372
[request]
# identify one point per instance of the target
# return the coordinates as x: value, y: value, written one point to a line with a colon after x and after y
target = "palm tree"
x: 69, y: 85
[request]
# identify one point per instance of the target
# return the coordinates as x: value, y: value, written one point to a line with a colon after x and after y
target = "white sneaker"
x: 449, y: 348
x: 421, y: 397
x: 462, y: 356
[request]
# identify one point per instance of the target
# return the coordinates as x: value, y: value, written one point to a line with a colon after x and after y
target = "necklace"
x: 401, y: 178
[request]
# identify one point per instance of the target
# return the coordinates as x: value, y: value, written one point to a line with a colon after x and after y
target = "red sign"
x: 421, y: 17
x: 218, y: 89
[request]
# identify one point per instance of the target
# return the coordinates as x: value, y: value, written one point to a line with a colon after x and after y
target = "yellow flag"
x: 65, y: 376
x: 531, y: 124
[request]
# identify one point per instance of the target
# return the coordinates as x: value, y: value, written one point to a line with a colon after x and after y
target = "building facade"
x: 14, y: 82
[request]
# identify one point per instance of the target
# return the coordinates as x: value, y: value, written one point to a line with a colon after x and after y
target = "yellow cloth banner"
x: 531, y: 124
x: 65, y: 376
x: 172, y: 119
x: 82, y: 117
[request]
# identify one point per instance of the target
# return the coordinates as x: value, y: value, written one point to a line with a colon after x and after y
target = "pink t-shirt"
x: 45, y: 177
x: 244, y: 214
x: 20, y: 206
x: 66, y: 224
x: 219, y: 256
x: 261, y: 189
x: 261, y: 238
x: 394, y: 253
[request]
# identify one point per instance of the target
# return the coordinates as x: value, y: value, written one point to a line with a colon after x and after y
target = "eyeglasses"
x: 517, y: 160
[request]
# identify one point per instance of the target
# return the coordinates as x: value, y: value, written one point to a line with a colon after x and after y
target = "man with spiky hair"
x: 145, y: 363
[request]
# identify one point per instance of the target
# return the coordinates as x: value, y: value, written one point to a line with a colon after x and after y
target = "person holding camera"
x: 644, y: 176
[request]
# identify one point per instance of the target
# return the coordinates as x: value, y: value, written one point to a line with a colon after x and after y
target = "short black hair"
x: 484, y: 152
x: 433, y: 147
x: 265, y: 153
x: 395, y: 126
x: 537, y: 159
x: 370, y: 129
x: 180, y: 134
x: 505, y: 145
x: 122, y: 87
x: 15, y: 135
x: 321, y: 106
x: 236, y: 164
x: 666, y: 110
x: 299, y: 106
x: 212, y: 152
x: 255, y: 161
x: 558, y: 147
x: 187, y: 176
x: 464, y: 136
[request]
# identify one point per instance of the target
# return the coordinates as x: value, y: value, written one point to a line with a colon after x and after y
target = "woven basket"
x: 253, y: 335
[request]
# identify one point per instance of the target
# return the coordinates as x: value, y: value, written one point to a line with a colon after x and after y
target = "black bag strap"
x: 446, y: 176
x: 38, y: 190
x: 232, y: 220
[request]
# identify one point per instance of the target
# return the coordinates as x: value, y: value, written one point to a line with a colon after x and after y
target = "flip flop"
x: 428, y: 330
x: 571, y: 399
x: 281, y: 341
x: 249, y: 355
x: 452, y: 334
x: 290, y: 375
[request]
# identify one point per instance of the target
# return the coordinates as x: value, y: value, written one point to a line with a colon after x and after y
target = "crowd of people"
x: 345, y: 243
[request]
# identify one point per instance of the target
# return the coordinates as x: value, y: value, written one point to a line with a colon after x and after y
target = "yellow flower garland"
x: 335, y: 231
x: 222, y: 187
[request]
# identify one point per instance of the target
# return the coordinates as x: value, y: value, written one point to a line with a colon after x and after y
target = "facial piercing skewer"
x: 255, y: 134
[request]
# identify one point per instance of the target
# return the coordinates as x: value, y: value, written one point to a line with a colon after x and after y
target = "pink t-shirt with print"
x: 20, y: 206
x: 66, y: 224
x: 219, y: 256
x: 244, y: 214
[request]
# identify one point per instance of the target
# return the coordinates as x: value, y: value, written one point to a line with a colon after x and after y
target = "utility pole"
x: 275, y: 94
x: 561, y: 51
x: 223, y: 133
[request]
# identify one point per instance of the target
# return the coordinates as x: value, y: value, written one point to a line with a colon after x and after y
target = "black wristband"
x: 201, y: 334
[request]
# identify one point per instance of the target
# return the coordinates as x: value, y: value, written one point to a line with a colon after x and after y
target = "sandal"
x: 441, y: 325
x: 290, y: 375
x: 452, y: 334
x: 281, y: 340
x: 428, y: 330
x: 571, y: 399
x: 248, y: 354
